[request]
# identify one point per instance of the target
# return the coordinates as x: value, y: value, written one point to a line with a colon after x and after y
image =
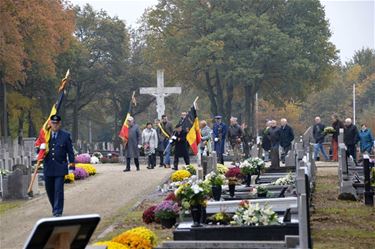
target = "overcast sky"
x: 352, y: 22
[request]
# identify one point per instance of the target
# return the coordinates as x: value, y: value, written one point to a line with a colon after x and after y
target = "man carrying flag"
x: 55, y: 151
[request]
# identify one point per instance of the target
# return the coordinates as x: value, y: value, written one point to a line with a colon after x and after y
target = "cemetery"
x: 176, y: 124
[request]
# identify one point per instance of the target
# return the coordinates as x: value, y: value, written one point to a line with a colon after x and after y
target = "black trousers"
x: 275, y: 161
x: 55, y: 192
x: 136, y: 161
x: 161, y: 156
x: 186, y: 159
x: 286, y: 149
x: 351, y: 151
x: 151, y: 160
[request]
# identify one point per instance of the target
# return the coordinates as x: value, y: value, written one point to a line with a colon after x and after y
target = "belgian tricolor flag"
x: 124, y: 132
x: 45, y: 132
x: 191, y: 124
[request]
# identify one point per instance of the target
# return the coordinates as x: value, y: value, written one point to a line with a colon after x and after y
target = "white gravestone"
x: 160, y: 92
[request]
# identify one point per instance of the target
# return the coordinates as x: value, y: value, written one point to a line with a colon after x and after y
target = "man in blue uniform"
x: 55, y: 165
x: 219, y: 133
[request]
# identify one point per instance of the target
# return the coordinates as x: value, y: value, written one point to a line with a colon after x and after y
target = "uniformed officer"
x: 55, y: 165
x: 219, y: 134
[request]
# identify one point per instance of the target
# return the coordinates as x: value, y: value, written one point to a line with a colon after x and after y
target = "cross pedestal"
x: 160, y: 92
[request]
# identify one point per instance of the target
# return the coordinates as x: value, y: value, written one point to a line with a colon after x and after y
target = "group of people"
x: 352, y: 136
x: 274, y: 138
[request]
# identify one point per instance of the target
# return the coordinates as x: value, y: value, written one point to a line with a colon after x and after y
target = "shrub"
x: 166, y: 210
x: 80, y: 174
x: 137, y: 238
x: 149, y: 215
x: 83, y: 158
x: 180, y: 175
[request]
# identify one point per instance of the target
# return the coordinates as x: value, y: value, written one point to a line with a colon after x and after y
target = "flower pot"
x: 196, y: 213
x: 232, y: 187
x: 216, y: 192
x: 168, y: 223
x: 248, y: 180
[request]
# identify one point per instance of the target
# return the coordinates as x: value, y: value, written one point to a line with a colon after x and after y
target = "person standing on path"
x: 366, y: 140
x: 180, y: 146
x: 133, y: 145
x: 275, y: 136
x: 235, y: 135
x: 56, y: 165
x: 318, y: 134
x: 286, y: 138
x: 219, y: 134
x: 166, y: 129
x: 337, y: 125
x: 160, y: 148
x: 206, y: 133
x: 266, y: 143
x: 351, y: 138
x: 150, y: 144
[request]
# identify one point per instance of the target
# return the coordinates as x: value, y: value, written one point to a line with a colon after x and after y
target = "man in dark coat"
x: 286, y: 138
x: 318, y: 134
x: 55, y: 165
x: 219, y: 135
x: 133, y: 145
x: 266, y: 143
x: 235, y: 135
x: 274, y: 136
x: 351, y: 138
x: 181, y: 146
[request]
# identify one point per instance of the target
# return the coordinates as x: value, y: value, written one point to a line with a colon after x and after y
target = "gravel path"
x: 104, y: 194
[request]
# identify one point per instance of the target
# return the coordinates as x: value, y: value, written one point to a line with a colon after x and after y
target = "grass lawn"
x: 340, y: 224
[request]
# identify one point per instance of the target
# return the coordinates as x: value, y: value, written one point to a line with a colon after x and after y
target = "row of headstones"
x: 301, y: 203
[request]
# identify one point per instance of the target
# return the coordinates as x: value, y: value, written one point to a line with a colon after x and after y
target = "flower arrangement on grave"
x: 180, y: 175
x: 91, y: 170
x: 329, y: 130
x: 94, y: 160
x: 166, y: 210
x: 233, y: 175
x: 83, y: 158
x: 69, y: 178
x: 193, y: 192
x: 215, y: 179
x: 80, y: 174
x: 137, y: 238
x: 148, y: 215
x: 261, y: 191
x: 221, y: 169
x: 253, y: 215
x: 220, y: 218
x: 286, y: 180
x: 248, y: 167
x: 4, y: 172
x: 191, y: 169
x: 111, y: 245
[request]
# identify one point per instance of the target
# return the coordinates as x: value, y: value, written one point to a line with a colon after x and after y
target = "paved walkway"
x: 104, y: 194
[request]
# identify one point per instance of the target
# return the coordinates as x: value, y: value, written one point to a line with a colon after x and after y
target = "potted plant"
x: 167, y: 212
x: 261, y: 191
x: 233, y: 175
x: 248, y: 168
x: 286, y: 180
x: 215, y: 180
x: 180, y: 175
x: 193, y: 195
x: 220, y: 218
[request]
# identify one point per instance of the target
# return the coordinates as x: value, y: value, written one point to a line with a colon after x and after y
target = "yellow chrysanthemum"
x: 139, y: 237
x: 69, y: 178
x: 91, y: 170
x: 180, y: 175
x: 111, y: 245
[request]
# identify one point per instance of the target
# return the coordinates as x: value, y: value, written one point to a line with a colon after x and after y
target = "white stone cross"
x: 160, y: 92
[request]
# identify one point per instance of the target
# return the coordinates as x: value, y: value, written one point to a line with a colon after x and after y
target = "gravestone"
x: 160, y: 92
x: 254, y: 151
x: 16, y: 184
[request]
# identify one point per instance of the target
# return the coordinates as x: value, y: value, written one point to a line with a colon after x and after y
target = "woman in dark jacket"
x: 337, y: 125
